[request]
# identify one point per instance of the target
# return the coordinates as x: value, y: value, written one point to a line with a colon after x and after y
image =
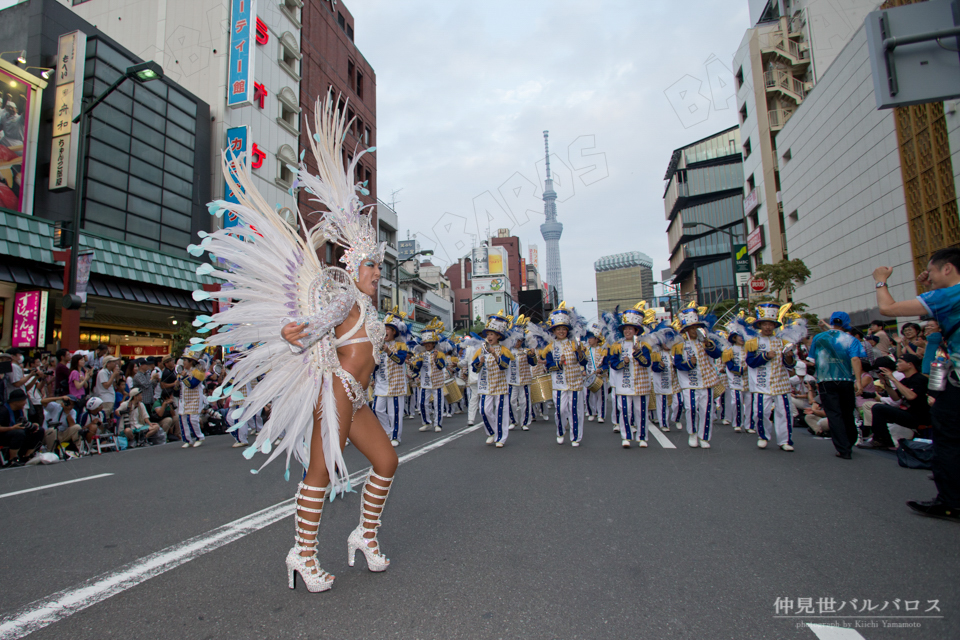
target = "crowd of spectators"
x: 63, y: 403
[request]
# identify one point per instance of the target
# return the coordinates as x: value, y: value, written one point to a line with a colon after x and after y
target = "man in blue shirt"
x: 942, y: 302
x: 839, y: 365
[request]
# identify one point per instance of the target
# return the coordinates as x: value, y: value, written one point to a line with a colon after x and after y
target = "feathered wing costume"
x: 273, y: 277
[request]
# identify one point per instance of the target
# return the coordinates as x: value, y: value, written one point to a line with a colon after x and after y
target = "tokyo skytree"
x: 551, y: 230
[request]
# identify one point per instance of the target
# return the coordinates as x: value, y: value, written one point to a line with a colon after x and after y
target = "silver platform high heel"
x: 315, y: 578
x: 364, y: 537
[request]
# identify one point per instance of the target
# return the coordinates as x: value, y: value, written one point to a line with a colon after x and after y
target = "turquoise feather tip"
x: 236, y: 396
x: 205, y: 269
x: 286, y: 475
x: 267, y: 446
x: 195, y: 250
x: 200, y: 295
x: 198, y: 347
x: 250, y: 452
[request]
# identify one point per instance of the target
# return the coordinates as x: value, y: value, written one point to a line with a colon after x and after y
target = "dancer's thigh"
x: 371, y: 440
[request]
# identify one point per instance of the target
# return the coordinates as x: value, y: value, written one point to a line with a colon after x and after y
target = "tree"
x: 785, y: 276
x: 478, y: 325
x: 181, y: 338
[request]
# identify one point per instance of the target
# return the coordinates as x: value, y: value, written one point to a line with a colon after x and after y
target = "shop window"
x: 291, y: 9
x: 289, y: 111
x: 285, y: 156
x: 290, y: 55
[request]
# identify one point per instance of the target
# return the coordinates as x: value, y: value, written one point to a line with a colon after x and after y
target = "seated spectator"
x: 17, y: 434
x: 165, y: 413
x: 871, y: 345
x: 134, y: 419
x: 816, y: 419
x: 94, y: 419
x: 60, y: 424
x: 911, y: 393
x: 883, y: 340
x: 910, y: 340
x: 800, y: 385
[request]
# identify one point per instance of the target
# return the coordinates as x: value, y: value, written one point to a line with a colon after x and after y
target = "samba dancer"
x: 390, y: 377
x: 596, y: 368
x: 629, y: 362
x: 769, y: 357
x: 428, y: 365
x: 317, y: 363
x: 566, y: 360
x: 519, y: 377
x: 697, y: 375
x: 490, y: 364
x: 734, y: 360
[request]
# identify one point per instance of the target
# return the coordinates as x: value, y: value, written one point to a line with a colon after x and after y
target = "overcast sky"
x: 465, y: 90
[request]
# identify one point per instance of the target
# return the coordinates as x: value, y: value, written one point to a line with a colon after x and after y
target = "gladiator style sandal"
x: 315, y: 578
x: 364, y: 537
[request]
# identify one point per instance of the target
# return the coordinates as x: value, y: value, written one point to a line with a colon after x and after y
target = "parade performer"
x: 666, y: 387
x: 390, y: 377
x: 596, y: 368
x: 629, y: 361
x: 428, y: 364
x: 734, y: 360
x: 311, y: 332
x: 490, y: 364
x: 191, y: 376
x: 769, y: 356
x: 566, y: 360
x: 696, y: 373
x: 520, y: 375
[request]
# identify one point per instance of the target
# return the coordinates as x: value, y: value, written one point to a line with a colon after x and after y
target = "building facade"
x: 387, y: 227
x: 843, y: 177
x: 780, y: 59
x: 147, y: 183
x: 705, y: 186
x: 623, y: 280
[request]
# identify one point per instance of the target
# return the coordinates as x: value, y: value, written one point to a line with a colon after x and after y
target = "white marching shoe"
x: 787, y: 447
x: 643, y: 444
x: 559, y: 439
x: 395, y: 443
x: 625, y: 443
x: 370, y: 513
x: 704, y: 444
x: 589, y: 418
x: 724, y: 421
x: 692, y: 440
x: 426, y: 427
x: 491, y: 439
x: 315, y: 578
x: 737, y: 430
x: 600, y: 420
x: 761, y: 443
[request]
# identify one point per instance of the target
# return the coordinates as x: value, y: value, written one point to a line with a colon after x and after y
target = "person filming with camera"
x: 17, y: 434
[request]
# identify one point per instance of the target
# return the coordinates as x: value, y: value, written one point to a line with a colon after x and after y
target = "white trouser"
x: 473, y: 404
x: 493, y: 411
x: 633, y: 410
x: 390, y: 414
x: 569, y: 410
x: 669, y: 408
x: 521, y: 411
x: 431, y: 406
x: 780, y: 405
x: 190, y: 428
x: 738, y: 408
x: 699, y: 412
x: 720, y: 403
x: 597, y: 402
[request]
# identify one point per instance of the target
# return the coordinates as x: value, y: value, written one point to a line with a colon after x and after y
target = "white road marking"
x: 63, y: 604
x: 55, y: 484
x: 659, y: 437
x: 827, y: 632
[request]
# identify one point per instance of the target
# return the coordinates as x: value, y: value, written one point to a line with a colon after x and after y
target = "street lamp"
x: 21, y: 56
x: 143, y: 72
x: 733, y: 253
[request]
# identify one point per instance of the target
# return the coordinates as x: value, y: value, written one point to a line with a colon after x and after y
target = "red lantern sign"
x: 758, y: 285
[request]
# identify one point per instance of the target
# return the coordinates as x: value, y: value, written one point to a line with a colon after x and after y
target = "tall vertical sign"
x: 240, y: 73
x: 71, y: 50
x: 29, y: 319
x: 237, y: 153
x: 535, y: 258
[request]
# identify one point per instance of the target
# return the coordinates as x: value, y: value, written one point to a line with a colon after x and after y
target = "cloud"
x: 465, y: 90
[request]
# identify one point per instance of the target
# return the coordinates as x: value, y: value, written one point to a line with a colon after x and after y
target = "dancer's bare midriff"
x: 357, y: 359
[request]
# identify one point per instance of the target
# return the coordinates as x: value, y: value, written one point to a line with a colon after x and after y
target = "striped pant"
x: 597, y: 402
x: 389, y: 413
x: 190, y: 428
x: 633, y: 410
x: 492, y: 411
x: 738, y: 408
x: 699, y: 412
x: 431, y: 406
x: 782, y: 424
x: 519, y: 398
x: 669, y: 408
x: 569, y: 410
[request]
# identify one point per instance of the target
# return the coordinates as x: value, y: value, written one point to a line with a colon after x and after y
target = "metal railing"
x: 780, y: 79
x: 778, y: 42
x: 778, y: 117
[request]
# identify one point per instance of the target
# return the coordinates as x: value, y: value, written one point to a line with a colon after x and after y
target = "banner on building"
x: 480, y: 267
x: 29, y: 319
x: 477, y: 311
x: 236, y: 149
x: 84, y: 262
x: 490, y: 284
x: 523, y: 272
x: 71, y: 51
x: 494, y: 263
x: 240, y: 77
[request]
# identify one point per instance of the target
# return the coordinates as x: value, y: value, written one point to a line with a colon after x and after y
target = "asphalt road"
x: 534, y: 540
